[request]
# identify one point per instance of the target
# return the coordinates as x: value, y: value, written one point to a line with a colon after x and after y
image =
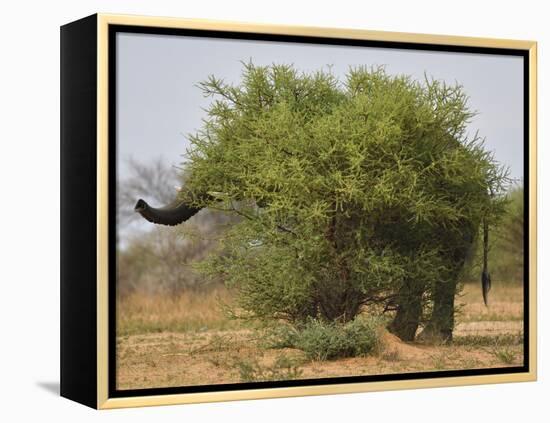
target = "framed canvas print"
x: 255, y: 211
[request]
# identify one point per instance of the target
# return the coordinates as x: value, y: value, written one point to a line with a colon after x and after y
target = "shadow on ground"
x: 51, y: 387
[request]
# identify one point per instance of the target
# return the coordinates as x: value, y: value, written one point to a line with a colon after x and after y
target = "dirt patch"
x: 214, y: 357
x: 185, y: 342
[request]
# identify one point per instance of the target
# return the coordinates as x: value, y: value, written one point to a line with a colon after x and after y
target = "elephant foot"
x: 432, y: 334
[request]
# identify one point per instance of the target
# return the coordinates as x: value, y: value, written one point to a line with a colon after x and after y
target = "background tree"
x: 157, y: 260
x: 509, y: 238
x: 506, y: 243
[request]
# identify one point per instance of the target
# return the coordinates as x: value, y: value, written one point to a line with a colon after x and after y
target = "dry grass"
x: 140, y: 313
x: 187, y: 340
x: 505, y: 303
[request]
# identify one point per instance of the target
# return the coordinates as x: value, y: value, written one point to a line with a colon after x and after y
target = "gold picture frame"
x: 90, y: 37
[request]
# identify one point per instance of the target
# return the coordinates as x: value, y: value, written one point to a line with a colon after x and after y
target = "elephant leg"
x: 439, y: 328
x: 408, y: 314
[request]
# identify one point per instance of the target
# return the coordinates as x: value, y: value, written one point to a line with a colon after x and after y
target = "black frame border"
x: 78, y: 225
x: 113, y: 30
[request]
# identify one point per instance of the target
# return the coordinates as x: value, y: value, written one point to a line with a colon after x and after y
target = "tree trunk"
x: 338, y: 299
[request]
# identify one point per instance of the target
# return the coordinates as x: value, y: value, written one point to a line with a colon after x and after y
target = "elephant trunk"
x: 170, y: 215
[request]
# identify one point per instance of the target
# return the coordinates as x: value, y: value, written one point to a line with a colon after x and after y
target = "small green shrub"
x: 283, y: 368
x: 439, y: 361
x: 505, y: 354
x: 321, y: 340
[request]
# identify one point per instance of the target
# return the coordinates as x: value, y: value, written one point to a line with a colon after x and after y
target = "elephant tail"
x: 485, y: 275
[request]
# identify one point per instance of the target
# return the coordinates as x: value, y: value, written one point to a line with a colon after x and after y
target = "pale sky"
x: 158, y: 102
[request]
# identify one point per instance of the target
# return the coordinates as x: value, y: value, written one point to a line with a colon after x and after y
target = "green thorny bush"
x: 321, y: 340
x: 354, y: 193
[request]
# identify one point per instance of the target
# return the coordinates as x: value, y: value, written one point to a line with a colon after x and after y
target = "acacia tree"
x: 356, y: 192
